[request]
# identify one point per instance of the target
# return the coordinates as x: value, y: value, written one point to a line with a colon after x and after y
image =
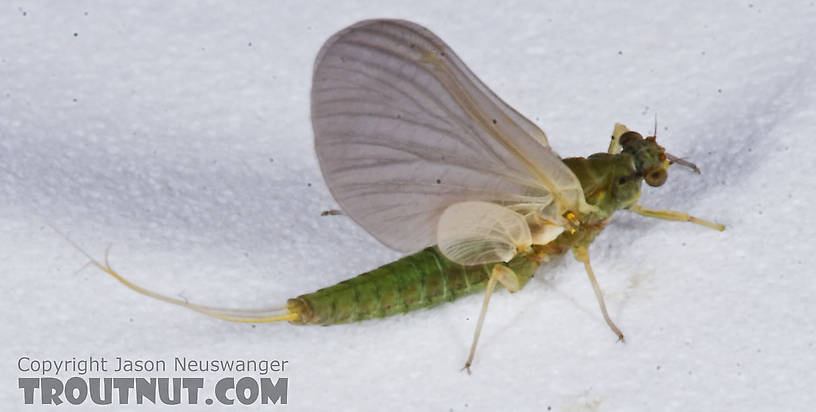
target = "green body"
x: 426, y: 278
x: 421, y: 280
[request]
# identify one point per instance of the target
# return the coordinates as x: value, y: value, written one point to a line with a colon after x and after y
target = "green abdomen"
x: 421, y: 280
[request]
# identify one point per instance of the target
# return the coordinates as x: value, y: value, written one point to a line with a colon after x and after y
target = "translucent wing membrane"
x: 403, y: 130
x: 474, y: 233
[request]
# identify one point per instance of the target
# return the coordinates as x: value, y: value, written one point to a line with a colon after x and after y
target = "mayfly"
x: 424, y: 156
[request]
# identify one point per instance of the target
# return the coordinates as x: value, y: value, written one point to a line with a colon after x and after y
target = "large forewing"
x: 403, y: 129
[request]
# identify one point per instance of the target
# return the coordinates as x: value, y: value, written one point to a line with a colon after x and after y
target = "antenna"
x: 655, y: 132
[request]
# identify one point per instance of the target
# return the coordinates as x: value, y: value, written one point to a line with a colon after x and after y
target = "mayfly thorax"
x: 422, y: 154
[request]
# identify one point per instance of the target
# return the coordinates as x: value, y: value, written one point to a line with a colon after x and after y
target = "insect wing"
x: 475, y: 233
x: 403, y: 129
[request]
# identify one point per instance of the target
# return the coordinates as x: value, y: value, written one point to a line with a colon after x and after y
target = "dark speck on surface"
x: 620, y: 52
x: 76, y: 34
x: 249, y: 44
x: 309, y: 184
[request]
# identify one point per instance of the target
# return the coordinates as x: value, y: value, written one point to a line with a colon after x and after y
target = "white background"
x: 180, y: 134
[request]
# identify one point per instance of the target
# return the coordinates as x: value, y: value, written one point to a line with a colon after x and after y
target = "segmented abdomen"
x: 421, y: 280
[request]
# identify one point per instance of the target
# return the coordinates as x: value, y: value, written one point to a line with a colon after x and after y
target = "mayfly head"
x: 651, y: 159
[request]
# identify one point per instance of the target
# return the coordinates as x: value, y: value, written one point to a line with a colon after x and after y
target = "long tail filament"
x: 276, y: 314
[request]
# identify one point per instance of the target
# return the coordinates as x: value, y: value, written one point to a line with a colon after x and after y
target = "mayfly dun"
x: 424, y: 156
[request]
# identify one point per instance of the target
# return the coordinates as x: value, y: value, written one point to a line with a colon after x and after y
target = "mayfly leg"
x: 582, y: 255
x: 614, y: 145
x: 675, y: 216
x: 510, y: 281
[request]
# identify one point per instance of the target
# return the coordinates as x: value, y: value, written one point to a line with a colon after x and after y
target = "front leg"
x: 675, y: 216
x: 614, y: 145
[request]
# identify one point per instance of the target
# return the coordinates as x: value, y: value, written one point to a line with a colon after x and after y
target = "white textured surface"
x: 181, y: 135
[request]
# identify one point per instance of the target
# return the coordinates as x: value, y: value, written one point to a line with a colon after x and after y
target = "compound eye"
x: 656, y: 177
x: 629, y: 137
